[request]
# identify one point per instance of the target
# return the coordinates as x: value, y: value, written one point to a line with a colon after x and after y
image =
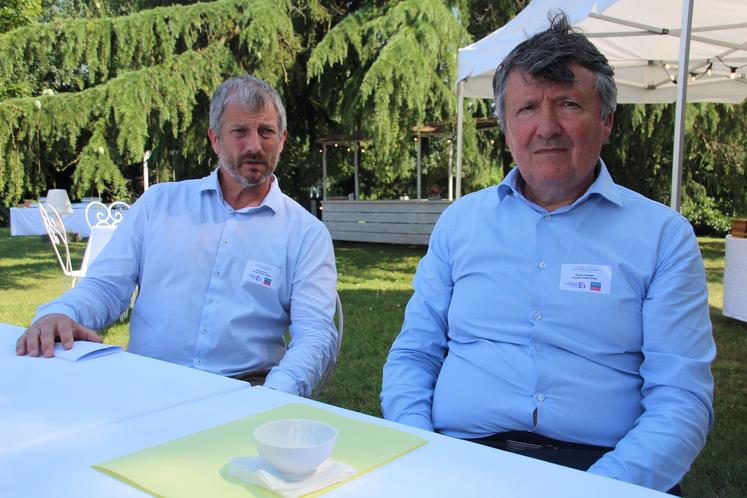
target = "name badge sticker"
x: 577, y: 277
x: 261, y: 274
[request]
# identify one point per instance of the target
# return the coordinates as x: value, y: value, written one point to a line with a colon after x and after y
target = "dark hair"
x: 546, y: 55
x: 252, y: 92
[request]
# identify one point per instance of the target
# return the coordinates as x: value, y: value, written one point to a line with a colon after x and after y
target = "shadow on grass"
x: 712, y: 248
x: 372, y: 321
x: 26, y: 258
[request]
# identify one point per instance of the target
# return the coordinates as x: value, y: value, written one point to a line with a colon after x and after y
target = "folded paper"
x: 84, y: 350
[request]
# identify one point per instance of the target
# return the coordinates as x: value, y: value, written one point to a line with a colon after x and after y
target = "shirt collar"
x: 272, y: 201
x: 603, y: 186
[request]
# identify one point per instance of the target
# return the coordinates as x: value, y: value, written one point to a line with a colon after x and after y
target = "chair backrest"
x: 99, y: 214
x: 97, y: 240
x: 340, y: 330
x: 55, y: 229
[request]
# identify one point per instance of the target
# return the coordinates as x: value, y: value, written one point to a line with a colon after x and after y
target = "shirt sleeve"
x: 106, y: 291
x: 416, y: 356
x: 678, y: 349
x: 313, y: 299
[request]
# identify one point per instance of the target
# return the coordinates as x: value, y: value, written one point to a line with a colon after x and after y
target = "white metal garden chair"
x: 55, y: 229
x: 102, y: 220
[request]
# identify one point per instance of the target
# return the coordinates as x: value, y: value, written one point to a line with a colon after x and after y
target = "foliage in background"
x: 639, y: 156
x: 17, y: 13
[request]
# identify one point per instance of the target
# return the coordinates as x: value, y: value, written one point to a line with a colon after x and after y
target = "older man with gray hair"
x: 559, y: 315
x: 224, y: 265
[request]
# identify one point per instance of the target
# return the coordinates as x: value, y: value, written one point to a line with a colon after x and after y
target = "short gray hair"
x: 251, y: 92
x: 546, y: 56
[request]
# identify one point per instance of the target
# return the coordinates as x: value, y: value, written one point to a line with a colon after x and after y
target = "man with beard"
x: 223, y: 265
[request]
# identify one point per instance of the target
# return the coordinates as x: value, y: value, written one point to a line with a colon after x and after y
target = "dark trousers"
x: 573, y: 455
x: 255, y: 378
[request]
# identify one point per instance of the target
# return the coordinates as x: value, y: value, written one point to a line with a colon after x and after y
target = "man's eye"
x: 266, y: 132
x: 239, y: 132
x: 570, y: 103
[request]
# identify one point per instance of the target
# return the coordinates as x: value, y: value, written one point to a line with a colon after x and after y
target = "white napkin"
x: 254, y: 470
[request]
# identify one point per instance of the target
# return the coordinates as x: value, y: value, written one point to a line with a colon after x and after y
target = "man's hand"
x: 42, y: 334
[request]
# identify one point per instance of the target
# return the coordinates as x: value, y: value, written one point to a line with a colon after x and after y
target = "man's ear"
x: 282, y: 140
x: 608, y: 122
x: 214, y: 141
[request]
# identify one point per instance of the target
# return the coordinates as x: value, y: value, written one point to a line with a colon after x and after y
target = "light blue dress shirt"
x: 217, y: 287
x: 494, y: 336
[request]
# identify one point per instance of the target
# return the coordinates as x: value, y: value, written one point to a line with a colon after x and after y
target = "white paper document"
x: 85, y: 350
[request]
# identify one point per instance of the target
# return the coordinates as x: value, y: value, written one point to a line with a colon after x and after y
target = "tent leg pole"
x: 683, y: 75
x: 460, y: 119
x: 419, y: 185
x: 355, y: 160
x: 324, y: 172
x: 451, y: 170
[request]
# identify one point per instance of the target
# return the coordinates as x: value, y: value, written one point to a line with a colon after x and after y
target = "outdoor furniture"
x: 384, y: 221
x: 26, y: 220
x: 58, y: 199
x: 330, y: 368
x: 55, y: 229
x: 99, y: 214
x: 62, y: 417
x: 735, y: 278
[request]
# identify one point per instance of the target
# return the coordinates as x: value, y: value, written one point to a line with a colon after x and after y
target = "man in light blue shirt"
x: 559, y: 315
x: 223, y: 265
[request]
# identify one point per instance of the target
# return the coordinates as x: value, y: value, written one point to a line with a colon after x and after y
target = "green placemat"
x: 197, y: 465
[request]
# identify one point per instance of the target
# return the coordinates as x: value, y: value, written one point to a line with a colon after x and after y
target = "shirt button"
x: 204, y: 330
x: 225, y: 242
x: 211, y: 300
x: 537, y: 315
x: 540, y: 397
x: 542, y: 265
x: 217, y: 273
x: 548, y: 217
x: 198, y: 362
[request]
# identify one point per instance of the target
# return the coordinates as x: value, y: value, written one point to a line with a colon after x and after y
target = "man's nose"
x: 252, y: 144
x: 548, y: 125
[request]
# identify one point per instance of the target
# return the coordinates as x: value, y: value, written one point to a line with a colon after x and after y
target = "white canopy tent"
x: 642, y: 40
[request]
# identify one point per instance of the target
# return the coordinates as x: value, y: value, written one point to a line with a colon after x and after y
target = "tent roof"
x: 641, y: 40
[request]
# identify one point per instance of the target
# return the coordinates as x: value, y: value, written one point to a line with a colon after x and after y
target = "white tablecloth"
x: 735, y: 278
x: 27, y: 221
x: 59, y: 418
x: 45, y: 398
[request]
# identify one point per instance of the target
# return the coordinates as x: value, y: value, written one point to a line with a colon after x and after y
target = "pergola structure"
x: 430, y: 130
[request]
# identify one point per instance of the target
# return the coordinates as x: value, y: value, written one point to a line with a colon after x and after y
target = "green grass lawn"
x: 374, y: 285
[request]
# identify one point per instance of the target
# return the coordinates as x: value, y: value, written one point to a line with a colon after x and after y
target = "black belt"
x: 520, y: 441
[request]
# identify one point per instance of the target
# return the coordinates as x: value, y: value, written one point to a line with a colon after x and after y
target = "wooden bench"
x: 391, y: 222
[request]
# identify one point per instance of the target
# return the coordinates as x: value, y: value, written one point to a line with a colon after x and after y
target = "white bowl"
x: 295, y: 447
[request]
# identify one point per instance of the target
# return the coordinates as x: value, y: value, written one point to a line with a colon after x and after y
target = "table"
x: 27, y: 221
x: 60, y: 465
x: 735, y: 278
x: 45, y: 398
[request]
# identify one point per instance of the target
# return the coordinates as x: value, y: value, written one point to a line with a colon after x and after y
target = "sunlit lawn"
x: 374, y: 285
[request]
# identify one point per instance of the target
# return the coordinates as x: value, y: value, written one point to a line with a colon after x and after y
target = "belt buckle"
x: 522, y: 446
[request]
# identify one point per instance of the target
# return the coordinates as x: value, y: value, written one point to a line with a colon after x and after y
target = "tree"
x: 17, y: 13
x: 84, y: 98
x: 90, y: 96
